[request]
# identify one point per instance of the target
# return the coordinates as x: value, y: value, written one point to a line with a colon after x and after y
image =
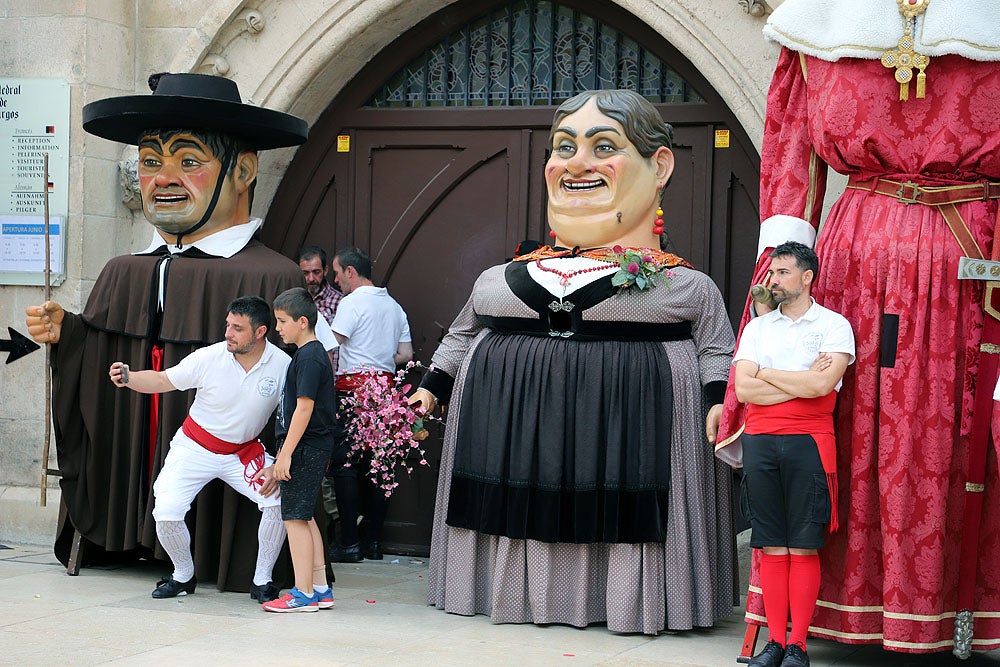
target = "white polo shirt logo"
x: 267, y: 386
x: 812, y: 341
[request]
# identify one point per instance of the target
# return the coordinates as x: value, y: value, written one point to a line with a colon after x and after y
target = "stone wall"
x: 293, y: 55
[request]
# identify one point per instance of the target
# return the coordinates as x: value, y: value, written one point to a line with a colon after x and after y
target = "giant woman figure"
x: 577, y: 481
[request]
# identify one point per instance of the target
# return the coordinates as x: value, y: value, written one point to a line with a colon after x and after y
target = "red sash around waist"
x: 352, y: 381
x: 799, y: 415
x: 251, y: 452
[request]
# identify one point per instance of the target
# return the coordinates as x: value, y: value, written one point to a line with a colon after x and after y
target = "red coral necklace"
x: 564, y: 276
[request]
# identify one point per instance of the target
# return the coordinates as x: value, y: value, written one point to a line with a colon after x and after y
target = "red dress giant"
x: 890, y: 573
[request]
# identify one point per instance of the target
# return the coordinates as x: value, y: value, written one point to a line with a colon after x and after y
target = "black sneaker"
x: 351, y: 554
x: 168, y: 587
x: 795, y: 656
x: 771, y: 656
x: 371, y: 551
x: 265, y: 592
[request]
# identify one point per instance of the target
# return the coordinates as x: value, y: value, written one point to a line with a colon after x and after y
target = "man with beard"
x: 198, y: 164
x: 789, y: 366
x: 312, y: 262
x: 238, y: 383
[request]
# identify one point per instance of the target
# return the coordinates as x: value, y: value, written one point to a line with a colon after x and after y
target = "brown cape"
x: 102, y: 432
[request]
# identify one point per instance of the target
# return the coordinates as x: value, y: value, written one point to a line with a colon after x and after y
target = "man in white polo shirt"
x: 374, y: 335
x: 789, y: 366
x: 238, y: 383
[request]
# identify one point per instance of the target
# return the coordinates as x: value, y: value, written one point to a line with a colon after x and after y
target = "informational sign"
x: 722, y: 138
x: 34, y: 121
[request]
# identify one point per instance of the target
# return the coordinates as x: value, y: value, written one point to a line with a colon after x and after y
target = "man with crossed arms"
x: 789, y: 366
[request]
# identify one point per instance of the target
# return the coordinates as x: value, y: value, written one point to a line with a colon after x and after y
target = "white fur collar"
x: 834, y: 29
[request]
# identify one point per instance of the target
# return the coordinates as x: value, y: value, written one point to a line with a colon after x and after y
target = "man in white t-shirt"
x: 238, y: 383
x: 374, y: 335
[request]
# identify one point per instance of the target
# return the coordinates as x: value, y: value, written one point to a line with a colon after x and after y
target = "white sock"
x: 175, y: 539
x: 270, y: 537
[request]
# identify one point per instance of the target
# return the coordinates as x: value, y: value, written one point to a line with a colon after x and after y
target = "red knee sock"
x: 774, y: 584
x: 803, y: 587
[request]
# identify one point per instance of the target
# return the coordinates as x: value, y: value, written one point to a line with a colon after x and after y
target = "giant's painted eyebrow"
x: 152, y: 144
x: 155, y: 145
x: 597, y: 129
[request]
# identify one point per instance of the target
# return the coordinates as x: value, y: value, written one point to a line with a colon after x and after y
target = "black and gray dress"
x: 577, y: 485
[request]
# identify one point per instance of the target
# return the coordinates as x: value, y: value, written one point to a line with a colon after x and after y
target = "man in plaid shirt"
x: 312, y: 261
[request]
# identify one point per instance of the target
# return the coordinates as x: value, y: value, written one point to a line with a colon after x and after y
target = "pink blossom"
x: 617, y: 249
x: 633, y: 268
x: 383, y: 425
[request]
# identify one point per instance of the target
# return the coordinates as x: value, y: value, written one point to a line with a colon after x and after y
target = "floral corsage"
x: 637, y: 267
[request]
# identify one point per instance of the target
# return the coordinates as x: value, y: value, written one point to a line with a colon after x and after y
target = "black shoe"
x: 771, y: 656
x: 265, y: 592
x: 371, y: 551
x: 351, y: 554
x: 168, y: 587
x: 795, y: 656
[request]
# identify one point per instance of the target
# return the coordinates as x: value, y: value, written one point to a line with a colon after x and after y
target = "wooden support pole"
x: 48, y: 346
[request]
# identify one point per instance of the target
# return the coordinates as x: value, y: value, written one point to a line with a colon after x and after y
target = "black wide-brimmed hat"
x: 193, y: 102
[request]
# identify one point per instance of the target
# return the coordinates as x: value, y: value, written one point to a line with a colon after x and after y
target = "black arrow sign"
x: 18, y: 345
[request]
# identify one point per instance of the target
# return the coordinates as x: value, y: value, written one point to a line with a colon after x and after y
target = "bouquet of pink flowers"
x: 385, y: 426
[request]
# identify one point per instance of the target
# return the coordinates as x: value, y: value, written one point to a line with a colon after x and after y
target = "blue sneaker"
x: 293, y: 600
x: 324, y: 598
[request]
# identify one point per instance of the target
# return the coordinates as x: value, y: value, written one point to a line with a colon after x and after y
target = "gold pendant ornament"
x: 904, y: 59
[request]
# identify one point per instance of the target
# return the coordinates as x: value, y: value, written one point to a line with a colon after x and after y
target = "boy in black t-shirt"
x: 305, y: 427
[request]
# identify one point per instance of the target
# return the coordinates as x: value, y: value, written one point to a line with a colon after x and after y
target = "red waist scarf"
x: 812, y: 416
x: 251, y: 452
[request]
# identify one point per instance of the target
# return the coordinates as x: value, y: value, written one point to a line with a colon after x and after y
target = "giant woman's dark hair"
x: 642, y: 122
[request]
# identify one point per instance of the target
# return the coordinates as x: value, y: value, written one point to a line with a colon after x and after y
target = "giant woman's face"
x: 177, y: 179
x: 601, y: 191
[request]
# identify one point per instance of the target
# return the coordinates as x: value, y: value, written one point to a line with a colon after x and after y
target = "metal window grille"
x: 530, y: 52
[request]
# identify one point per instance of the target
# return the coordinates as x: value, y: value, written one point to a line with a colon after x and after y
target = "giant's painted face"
x: 177, y: 179
x: 601, y: 190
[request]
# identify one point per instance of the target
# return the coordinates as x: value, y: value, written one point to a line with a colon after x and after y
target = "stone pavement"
x: 106, y: 616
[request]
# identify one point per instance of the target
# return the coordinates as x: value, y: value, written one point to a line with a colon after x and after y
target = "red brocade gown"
x: 904, y: 416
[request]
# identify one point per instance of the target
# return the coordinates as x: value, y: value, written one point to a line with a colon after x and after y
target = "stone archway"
x: 301, y: 60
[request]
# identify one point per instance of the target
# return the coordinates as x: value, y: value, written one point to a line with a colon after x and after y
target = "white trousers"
x: 189, y: 467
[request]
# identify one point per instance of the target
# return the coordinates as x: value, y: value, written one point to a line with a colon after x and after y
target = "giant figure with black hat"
x: 197, y: 166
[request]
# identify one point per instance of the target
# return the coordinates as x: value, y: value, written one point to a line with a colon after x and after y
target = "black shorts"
x: 784, y: 492
x: 298, y: 494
